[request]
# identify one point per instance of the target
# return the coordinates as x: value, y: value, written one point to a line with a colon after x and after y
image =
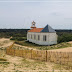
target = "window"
x: 28, y: 35
x: 44, y: 38
x: 38, y: 37
x: 31, y: 36
x: 34, y: 36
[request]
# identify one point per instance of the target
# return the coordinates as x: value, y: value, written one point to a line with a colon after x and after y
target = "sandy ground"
x: 68, y: 49
x: 4, y: 42
x: 19, y: 64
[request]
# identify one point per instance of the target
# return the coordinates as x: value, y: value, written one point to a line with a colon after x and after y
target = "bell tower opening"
x: 33, y: 25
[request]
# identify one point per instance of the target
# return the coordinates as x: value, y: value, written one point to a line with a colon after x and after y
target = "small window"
x: 28, y: 35
x: 31, y: 36
x: 44, y: 38
x: 38, y: 37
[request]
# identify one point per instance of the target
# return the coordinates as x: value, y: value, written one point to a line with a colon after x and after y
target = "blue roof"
x: 47, y: 28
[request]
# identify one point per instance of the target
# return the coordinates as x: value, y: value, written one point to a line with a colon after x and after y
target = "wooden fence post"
x: 46, y: 55
x: 60, y: 60
x: 68, y: 61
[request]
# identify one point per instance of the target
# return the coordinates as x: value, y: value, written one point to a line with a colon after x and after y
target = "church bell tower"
x: 33, y: 25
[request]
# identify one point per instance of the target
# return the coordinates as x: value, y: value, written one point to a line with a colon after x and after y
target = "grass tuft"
x: 3, y: 59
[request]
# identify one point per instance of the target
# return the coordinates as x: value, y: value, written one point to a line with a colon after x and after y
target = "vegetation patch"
x: 7, y: 33
x: 29, y: 44
x: 5, y: 63
x: 19, y: 48
x: 61, y: 67
x: 33, y: 64
x: 18, y: 38
x: 3, y: 59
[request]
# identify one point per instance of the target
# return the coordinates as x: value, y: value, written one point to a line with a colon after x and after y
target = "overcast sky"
x: 20, y: 14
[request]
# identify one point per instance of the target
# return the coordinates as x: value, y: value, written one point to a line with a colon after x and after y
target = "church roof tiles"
x: 47, y: 28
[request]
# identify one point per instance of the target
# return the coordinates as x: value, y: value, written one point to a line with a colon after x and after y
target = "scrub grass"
x: 32, y: 45
x: 33, y: 64
x: 2, y: 59
x: 61, y: 67
x: 39, y: 65
x: 5, y: 63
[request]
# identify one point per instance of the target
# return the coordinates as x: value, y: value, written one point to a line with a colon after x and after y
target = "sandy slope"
x: 4, y: 42
x: 19, y: 64
x: 68, y: 49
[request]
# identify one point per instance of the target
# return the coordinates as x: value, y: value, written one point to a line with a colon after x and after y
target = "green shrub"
x: 18, y: 38
x: 65, y: 38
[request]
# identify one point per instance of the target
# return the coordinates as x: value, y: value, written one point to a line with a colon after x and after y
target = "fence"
x: 43, y: 55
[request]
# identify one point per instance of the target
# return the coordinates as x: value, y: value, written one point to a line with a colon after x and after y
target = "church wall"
x: 51, y: 38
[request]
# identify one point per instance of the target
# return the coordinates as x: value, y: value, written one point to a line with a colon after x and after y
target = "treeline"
x: 7, y: 33
x: 21, y: 34
x: 64, y: 35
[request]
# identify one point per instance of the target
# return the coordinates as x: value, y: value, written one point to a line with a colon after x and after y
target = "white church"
x: 42, y: 36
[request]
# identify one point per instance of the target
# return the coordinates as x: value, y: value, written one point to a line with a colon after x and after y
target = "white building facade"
x: 42, y: 36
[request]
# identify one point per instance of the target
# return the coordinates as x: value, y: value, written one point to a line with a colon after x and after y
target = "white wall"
x: 51, y: 38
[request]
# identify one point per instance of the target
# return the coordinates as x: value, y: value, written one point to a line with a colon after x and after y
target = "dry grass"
x: 63, y: 67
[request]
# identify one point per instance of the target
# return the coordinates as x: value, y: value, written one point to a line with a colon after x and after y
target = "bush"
x: 18, y: 38
x: 65, y: 37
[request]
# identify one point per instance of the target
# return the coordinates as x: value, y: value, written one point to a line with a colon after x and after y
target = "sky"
x: 18, y: 14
